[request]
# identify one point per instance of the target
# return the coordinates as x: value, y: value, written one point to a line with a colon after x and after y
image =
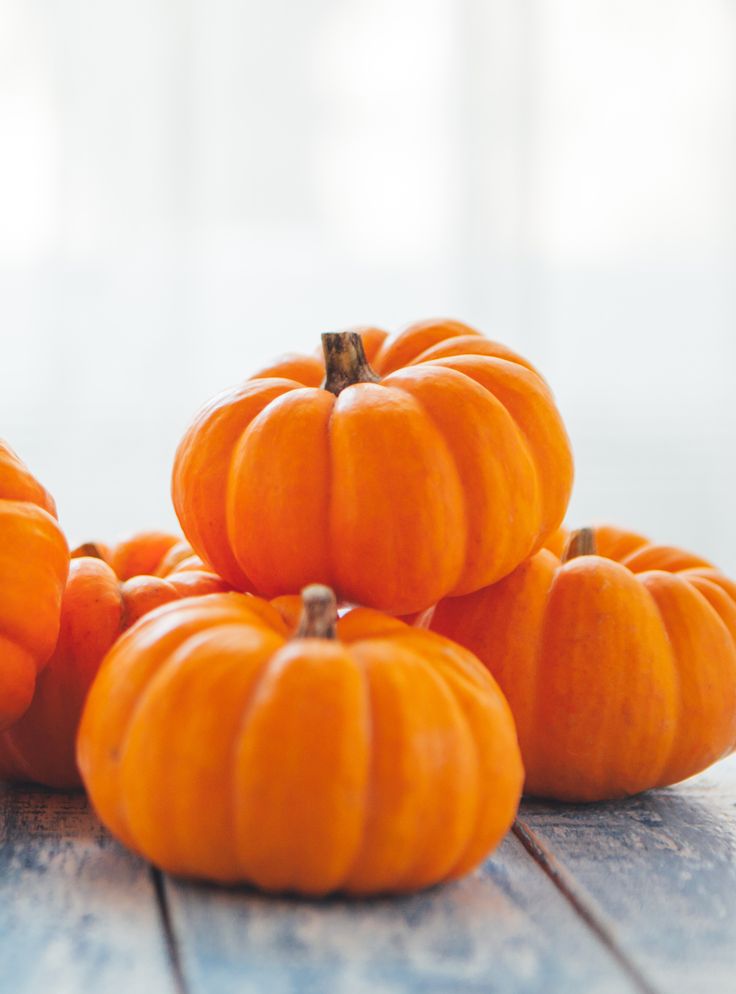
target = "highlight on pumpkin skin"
x: 618, y: 661
x: 34, y: 562
x: 97, y: 605
x: 305, y: 736
x: 436, y: 450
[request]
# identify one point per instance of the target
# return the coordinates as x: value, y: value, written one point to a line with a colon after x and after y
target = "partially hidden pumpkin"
x: 618, y: 662
x: 97, y: 606
x: 148, y: 553
x: 398, y: 470
x: 356, y: 755
x: 34, y: 561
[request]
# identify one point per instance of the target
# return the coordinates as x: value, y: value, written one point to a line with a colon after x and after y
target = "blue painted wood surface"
x: 505, y: 928
x: 658, y: 873
x: 77, y: 912
x: 638, y: 896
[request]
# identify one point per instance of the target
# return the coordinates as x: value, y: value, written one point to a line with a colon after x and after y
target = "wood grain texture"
x: 657, y: 873
x: 77, y: 912
x: 503, y: 929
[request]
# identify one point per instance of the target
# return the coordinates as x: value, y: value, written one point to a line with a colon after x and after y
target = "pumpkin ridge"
x: 167, y: 672
x: 458, y: 865
x: 470, y: 746
x: 434, y: 354
x: 382, y: 404
x: 410, y: 659
x: 575, y: 564
x: 697, y: 580
x: 370, y: 780
x: 473, y: 821
x: 147, y: 688
x: 522, y: 441
x: 531, y: 379
x: 299, y: 395
x: 44, y: 529
x: 282, y: 659
x: 463, y: 490
x: 242, y: 730
x: 678, y: 664
x: 522, y: 435
x: 207, y: 424
x: 439, y: 329
x: 538, y: 663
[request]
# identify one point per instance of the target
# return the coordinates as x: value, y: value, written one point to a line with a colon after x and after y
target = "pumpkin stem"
x: 580, y: 543
x: 319, y: 613
x: 90, y: 549
x: 345, y: 361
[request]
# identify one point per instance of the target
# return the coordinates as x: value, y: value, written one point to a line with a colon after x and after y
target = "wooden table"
x: 638, y: 896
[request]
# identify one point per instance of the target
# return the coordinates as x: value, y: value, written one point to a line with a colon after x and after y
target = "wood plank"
x: 505, y: 928
x: 78, y: 913
x: 657, y: 873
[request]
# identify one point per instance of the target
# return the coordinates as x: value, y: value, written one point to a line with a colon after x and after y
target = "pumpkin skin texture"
x: 362, y: 756
x: 620, y: 666
x: 433, y: 471
x: 34, y: 560
x: 96, y: 608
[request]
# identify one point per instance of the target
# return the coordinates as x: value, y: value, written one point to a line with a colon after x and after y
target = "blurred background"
x: 188, y: 188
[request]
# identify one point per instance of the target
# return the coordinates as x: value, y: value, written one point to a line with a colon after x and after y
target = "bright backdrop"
x: 188, y: 188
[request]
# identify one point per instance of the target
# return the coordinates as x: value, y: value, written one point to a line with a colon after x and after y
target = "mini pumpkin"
x: 149, y: 553
x: 357, y: 755
x: 97, y: 606
x: 618, y: 662
x: 432, y: 471
x: 34, y: 560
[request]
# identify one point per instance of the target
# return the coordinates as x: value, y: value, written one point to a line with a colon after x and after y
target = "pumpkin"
x: 357, y: 755
x: 618, y: 662
x: 34, y: 560
x: 97, y: 606
x: 151, y: 553
x: 432, y: 471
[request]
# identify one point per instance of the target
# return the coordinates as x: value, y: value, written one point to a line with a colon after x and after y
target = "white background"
x: 187, y: 188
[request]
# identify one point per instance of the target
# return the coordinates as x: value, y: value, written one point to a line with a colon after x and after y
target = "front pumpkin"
x: 34, y: 561
x: 431, y: 472
x: 361, y: 756
x: 618, y: 662
x: 97, y: 606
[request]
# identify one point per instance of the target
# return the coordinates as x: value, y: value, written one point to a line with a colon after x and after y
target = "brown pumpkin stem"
x: 90, y: 549
x: 319, y: 613
x: 580, y: 543
x: 345, y: 361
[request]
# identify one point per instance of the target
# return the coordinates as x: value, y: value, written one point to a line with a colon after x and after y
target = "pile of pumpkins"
x: 375, y: 634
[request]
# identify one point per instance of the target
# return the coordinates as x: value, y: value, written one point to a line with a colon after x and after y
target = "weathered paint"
x: 628, y: 897
x: 504, y: 928
x: 658, y: 874
x: 77, y: 913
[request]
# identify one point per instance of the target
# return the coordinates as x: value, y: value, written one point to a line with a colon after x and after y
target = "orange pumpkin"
x: 619, y: 662
x: 152, y: 553
x: 34, y: 561
x: 358, y: 755
x: 431, y: 472
x: 97, y: 606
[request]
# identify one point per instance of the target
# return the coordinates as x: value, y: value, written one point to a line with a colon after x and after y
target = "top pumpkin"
x: 432, y: 472
x: 34, y: 562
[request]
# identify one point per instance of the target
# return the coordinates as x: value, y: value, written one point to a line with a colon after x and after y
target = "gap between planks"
x: 170, y: 940
x: 565, y: 884
x: 562, y: 881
